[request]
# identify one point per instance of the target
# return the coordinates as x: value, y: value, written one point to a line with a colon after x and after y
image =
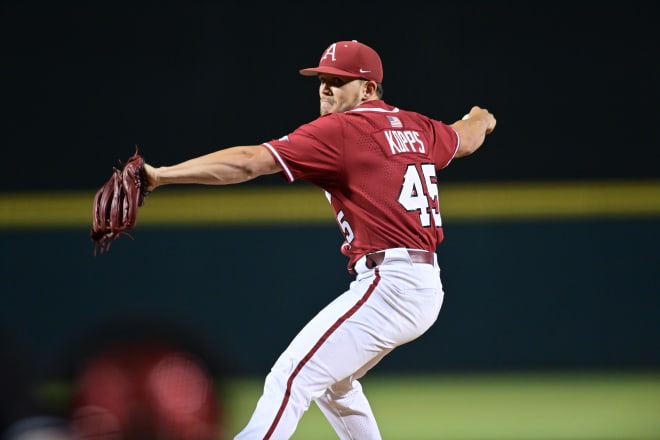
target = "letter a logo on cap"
x: 330, y: 52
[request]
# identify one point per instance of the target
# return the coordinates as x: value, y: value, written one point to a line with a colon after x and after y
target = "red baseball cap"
x: 349, y: 58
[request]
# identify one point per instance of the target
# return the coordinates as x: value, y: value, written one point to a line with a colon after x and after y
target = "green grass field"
x: 504, y: 406
x: 621, y: 406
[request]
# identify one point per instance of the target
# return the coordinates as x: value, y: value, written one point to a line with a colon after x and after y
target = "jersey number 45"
x: 419, y: 192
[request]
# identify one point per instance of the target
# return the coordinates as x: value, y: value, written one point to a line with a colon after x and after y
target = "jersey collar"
x: 377, y: 105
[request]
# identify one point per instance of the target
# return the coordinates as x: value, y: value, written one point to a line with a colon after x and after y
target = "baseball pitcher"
x: 378, y: 166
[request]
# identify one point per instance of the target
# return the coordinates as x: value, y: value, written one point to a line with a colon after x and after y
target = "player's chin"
x: 326, y: 107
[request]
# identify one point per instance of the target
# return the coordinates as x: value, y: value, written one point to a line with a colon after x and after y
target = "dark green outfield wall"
x: 564, y: 294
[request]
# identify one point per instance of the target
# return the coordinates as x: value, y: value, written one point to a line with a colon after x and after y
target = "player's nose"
x: 324, y: 89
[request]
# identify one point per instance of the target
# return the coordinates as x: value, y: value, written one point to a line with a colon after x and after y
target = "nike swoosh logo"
x: 364, y: 71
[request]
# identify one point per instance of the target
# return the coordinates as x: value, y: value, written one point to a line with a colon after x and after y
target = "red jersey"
x: 377, y: 164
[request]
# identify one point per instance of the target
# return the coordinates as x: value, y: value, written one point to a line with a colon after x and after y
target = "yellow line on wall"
x: 551, y: 200
x: 303, y: 204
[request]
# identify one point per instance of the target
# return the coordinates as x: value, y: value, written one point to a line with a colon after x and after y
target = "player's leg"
x: 347, y: 408
x: 307, y: 368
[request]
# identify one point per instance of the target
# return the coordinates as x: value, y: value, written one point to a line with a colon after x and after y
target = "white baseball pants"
x: 384, y: 307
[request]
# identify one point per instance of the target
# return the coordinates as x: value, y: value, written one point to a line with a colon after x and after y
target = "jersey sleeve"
x: 445, y: 145
x: 312, y: 152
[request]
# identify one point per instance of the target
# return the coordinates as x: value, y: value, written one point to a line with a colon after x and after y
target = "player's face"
x: 339, y: 93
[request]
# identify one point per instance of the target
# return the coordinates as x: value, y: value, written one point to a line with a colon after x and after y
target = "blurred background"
x: 550, y: 324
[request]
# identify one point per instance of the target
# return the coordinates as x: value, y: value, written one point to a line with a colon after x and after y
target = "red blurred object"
x: 145, y: 393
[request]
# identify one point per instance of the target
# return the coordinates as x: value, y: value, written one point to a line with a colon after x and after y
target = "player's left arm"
x: 222, y: 167
x: 472, y: 130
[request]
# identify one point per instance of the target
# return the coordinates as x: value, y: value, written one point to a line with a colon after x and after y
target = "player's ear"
x: 368, y: 89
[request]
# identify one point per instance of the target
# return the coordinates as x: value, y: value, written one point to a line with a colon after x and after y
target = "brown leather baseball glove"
x: 116, y: 203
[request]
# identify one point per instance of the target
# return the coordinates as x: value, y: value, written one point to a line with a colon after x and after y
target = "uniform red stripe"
x: 319, y: 343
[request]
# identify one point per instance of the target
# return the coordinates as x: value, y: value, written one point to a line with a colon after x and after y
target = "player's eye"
x: 332, y: 81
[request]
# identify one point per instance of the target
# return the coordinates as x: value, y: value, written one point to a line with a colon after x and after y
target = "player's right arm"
x: 472, y: 130
x: 222, y: 167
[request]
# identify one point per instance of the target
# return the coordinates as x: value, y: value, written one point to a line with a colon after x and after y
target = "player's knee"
x: 343, y: 388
